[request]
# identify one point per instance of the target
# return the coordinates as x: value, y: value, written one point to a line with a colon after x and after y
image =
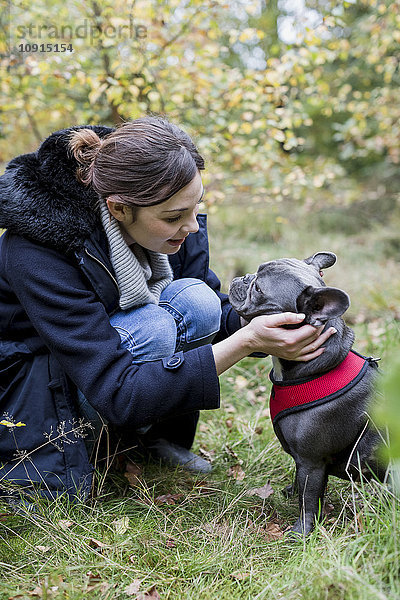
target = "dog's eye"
x: 321, y: 273
x: 257, y: 287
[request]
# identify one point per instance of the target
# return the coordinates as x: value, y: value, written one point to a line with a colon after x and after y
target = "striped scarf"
x: 142, y: 275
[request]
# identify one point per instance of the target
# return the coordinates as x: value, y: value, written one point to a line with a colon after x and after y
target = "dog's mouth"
x: 238, y: 290
x: 237, y: 295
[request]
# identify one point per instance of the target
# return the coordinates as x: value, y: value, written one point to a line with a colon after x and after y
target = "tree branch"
x: 32, y: 121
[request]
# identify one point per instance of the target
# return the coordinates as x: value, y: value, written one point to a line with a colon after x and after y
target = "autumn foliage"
x: 277, y: 118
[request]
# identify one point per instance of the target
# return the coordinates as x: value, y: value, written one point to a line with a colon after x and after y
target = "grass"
x: 176, y: 536
x: 213, y: 540
x: 213, y: 543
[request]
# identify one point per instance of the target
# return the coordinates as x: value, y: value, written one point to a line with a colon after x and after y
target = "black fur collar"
x: 41, y: 199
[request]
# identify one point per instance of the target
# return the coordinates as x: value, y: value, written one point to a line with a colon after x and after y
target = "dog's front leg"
x: 311, y: 480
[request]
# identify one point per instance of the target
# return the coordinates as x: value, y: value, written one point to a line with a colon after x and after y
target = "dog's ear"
x: 321, y: 304
x: 321, y: 260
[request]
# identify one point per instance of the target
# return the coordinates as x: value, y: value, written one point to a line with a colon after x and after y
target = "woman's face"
x: 164, y: 227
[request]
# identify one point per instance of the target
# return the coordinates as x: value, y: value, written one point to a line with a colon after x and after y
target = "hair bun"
x: 85, y: 145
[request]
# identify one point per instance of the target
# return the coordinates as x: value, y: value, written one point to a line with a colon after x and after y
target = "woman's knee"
x: 147, y: 332
x: 195, y: 306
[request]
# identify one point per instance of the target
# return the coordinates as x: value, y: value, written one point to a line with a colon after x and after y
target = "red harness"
x: 291, y: 396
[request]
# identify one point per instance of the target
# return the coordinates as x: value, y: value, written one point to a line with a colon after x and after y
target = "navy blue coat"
x: 57, y: 290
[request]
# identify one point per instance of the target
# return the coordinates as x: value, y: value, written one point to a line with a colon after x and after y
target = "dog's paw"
x: 302, y: 528
x: 293, y: 536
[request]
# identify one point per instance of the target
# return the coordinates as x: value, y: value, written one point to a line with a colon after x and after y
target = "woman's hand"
x: 266, y: 334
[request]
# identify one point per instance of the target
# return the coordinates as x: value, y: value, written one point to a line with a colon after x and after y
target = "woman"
x: 108, y: 306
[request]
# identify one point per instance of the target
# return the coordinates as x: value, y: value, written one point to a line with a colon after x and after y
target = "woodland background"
x: 295, y: 105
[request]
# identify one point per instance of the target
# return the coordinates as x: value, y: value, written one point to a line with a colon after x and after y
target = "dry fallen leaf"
x: 207, y: 454
x: 273, y: 531
x: 327, y: 508
x: 38, y: 591
x: 203, y: 488
x: 236, y: 472
x: 94, y: 581
x: 258, y: 430
x: 43, y: 548
x: 168, y: 498
x: 239, y: 576
x: 132, y: 467
x: 132, y: 588
x: 152, y: 594
x: 43, y: 590
x: 97, y: 544
x: 102, y: 586
x: 92, y: 577
x: 229, y: 423
x: 222, y: 530
x: 262, y: 492
x: 65, y: 524
x: 52, y: 589
x: 233, y: 454
x: 132, y: 473
x: 360, y: 522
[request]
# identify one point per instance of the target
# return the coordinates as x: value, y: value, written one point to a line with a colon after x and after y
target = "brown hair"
x: 141, y: 163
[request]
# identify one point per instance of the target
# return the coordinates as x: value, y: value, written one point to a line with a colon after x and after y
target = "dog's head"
x: 289, y: 285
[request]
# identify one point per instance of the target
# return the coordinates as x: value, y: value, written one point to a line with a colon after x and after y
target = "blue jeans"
x: 187, y: 316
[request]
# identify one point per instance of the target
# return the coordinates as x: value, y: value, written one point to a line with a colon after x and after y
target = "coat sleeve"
x: 75, y: 327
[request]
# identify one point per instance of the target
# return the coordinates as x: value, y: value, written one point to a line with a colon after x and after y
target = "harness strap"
x: 294, y: 395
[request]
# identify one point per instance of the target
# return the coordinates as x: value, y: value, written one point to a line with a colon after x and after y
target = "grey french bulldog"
x: 319, y: 408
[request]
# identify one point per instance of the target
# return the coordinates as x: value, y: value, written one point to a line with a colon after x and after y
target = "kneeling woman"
x: 108, y: 305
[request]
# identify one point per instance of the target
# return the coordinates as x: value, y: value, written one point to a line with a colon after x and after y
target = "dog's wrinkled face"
x: 289, y: 285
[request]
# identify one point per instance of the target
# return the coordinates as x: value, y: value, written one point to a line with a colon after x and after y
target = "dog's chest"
x: 293, y: 395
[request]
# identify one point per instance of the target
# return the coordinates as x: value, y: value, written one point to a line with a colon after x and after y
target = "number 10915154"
x: 45, y: 47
